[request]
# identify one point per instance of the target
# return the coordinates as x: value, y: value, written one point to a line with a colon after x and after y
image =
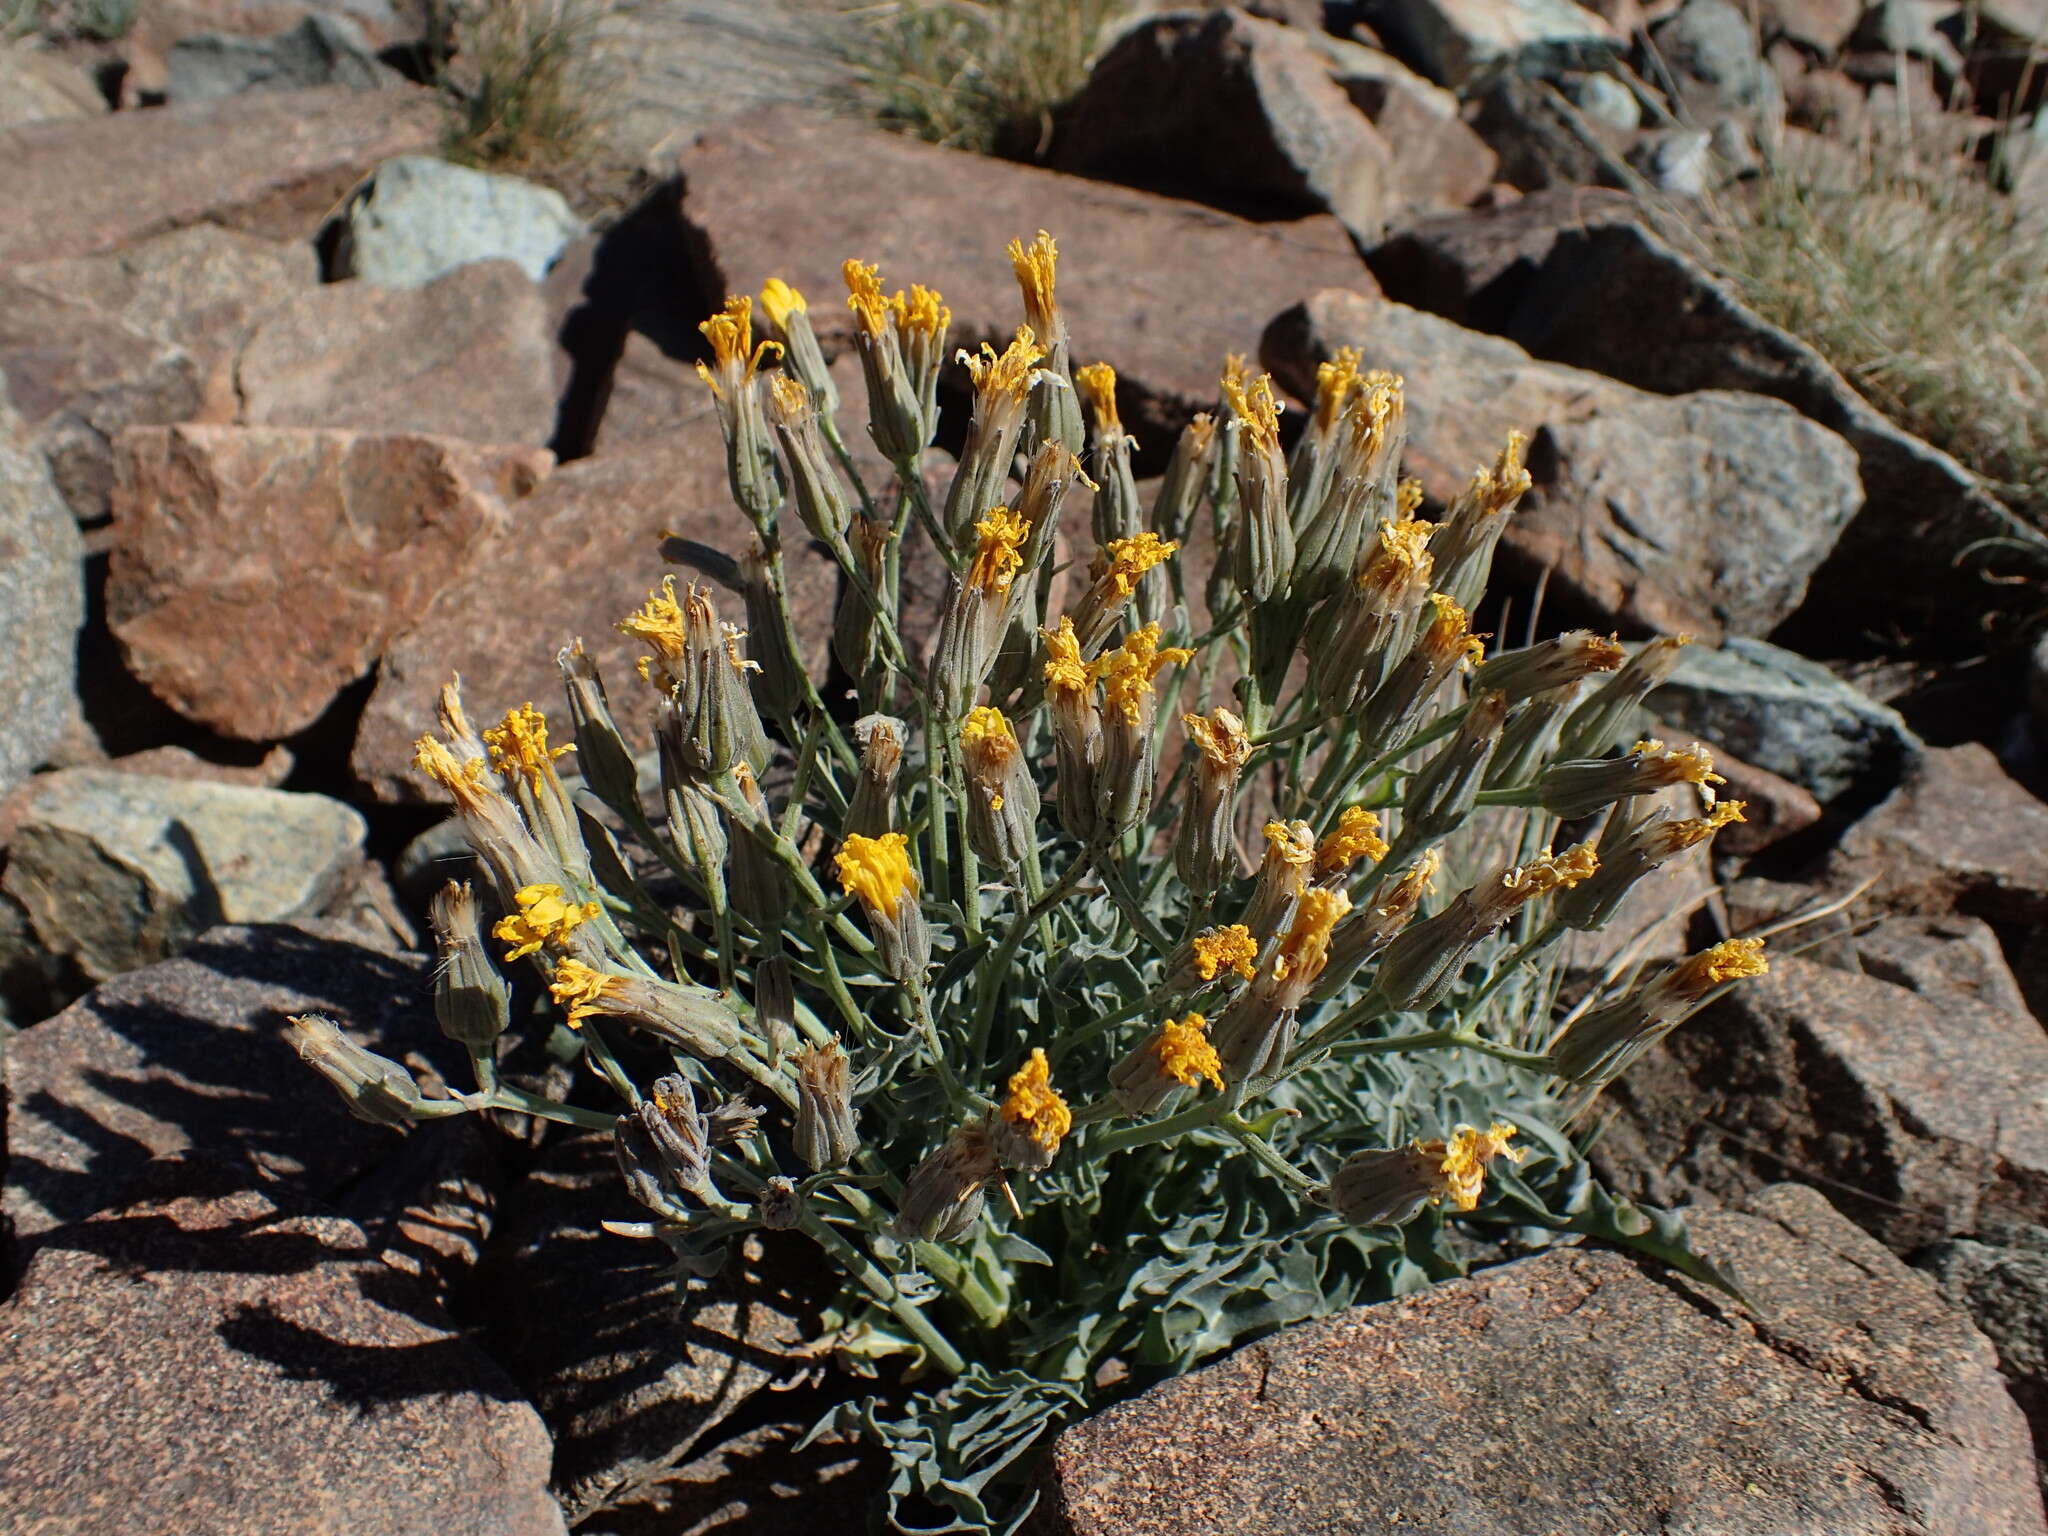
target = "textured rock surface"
x: 418, y: 218
x: 1577, y: 1393
x: 467, y: 355
x: 1226, y: 108
x: 117, y: 870
x: 321, y: 50
x: 230, y: 1363
x: 221, y: 533
x: 1438, y: 162
x: 1704, y: 513
x: 2000, y: 1278
x: 1453, y: 40
x: 38, y: 86
x: 1922, y: 1115
x: 270, y: 161
x: 1941, y: 957
x: 1788, y: 715
x: 190, y: 1054
x: 629, y: 1371
x: 42, y: 594
x: 787, y: 194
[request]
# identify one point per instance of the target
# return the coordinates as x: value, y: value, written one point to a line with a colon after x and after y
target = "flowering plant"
x: 953, y: 963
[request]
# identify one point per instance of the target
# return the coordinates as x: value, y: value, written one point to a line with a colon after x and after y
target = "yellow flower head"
x: 986, y: 746
x: 864, y: 297
x: 1357, y: 837
x: 1677, y: 836
x: 1127, y: 673
x: 735, y: 652
x: 1498, y: 487
x: 1255, y: 406
x: 1400, y: 565
x: 1036, y: 1105
x: 1185, y: 1053
x: 1335, y: 380
x: 1219, y: 736
x: 877, y: 870
x: 1098, y: 382
x: 1548, y: 871
x: 1406, y: 894
x: 1450, y: 633
x: 779, y: 301
x: 791, y: 400
x: 659, y: 621
x: 1034, y: 265
x: 923, y: 315
x: 1000, y: 553
x: 463, y: 778
x: 545, y: 916
x: 1730, y: 960
x: 580, y: 989
x: 1006, y: 374
x: 735, y: 357
x: 520, y: 745
x: 1408, y: 497
x: 1376, y: 411
x: 1133, y: 557
x: 1066, y: 674
x: 1676, y: 765
x: 1305, y: 947
x: 1461, y: 1162
x: 1220, y: 949
x: 1290, y: 842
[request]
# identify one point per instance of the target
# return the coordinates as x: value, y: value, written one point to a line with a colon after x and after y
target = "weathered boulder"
x: 466, y: 355
x: 37, y: 86
x: 1939, y: 957
x: 2000, y: 1278
x: 231, y: 1361
x: 1439, y: 162
x: 1707, y: 56
x: 219, y: 530
x: 1223, y: 107
x: 271, y: 162
x: 1452, y: 41
x: 785, y: 194
x: 1579, y: 1392
x: 1922, y: 1115
x: 117, y: 870
x: 190, y: 1053
x: 1789, y: 715
x: 1704, y: 513
x: 42, y: 593
x: 323, y: 49
x: 419, y: 217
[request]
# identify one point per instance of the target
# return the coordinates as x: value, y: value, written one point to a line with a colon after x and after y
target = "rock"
x: 39, y: 86
x: 1705, y: 513
x: 418, y: 218
x: 145, y: 335
x: 1957, y: 835
x: 1615, y: 299
x: 1923, y: 1116
x: 1913, y: 28
x: 321, y: 50
x: 1788, y: 715
x: 189, y: 1053
x: 1438, y: 162
x: 467, y: 355
x: 272, y: 1375
x: 216, y: 529
x: 42, y: 592
x: 1708, y: 55
x: 1541, y: 140
x: 1452, y: 41
x: 1222, y: 107
x: 1941, y: 956
x: 1774, y: 808
x: 756, y: 1480
x: 1824, y: 26
x: 1605, y: 101
x: 2000, y: 1278
x: 116, y: 870
x: 268, y: 772
x: 1854, y: 1401
x: 1679, y: 161
x: 787, y: 194
x: 272, y: 162
x: 630, y: 1370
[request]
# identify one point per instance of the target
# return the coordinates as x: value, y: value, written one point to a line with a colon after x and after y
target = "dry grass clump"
x: 983, y: 75
x: 1924, y: 285
x: 524, y: 83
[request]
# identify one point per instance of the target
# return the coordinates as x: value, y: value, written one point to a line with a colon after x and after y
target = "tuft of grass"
x: 1924, y: 285
x: 525, y: 83
x: 983, y: 75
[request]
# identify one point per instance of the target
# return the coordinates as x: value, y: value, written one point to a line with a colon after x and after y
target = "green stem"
x: 883, y: 1289
x: 1128, y: 904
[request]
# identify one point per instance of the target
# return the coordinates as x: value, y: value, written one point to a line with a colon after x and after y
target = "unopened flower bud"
x: 825, y: 1136
x: 1032, y: 1120
x: 602, y: 756
x: 780, y: 1207
x: 876, y: 870
x: 943, y: 1198
x: 1553, y: 663
x: 1530, y: 740
x: 736, y: 360
x: 1463, y: 546
x: 856, y: 630
x: 758, y: 886
x: 692, y: 818
x: 1599, y: 1046
x: 1264, y: 556
x: 1054, y: 415
x: 373, y: 1088
x: 1124, y: 779
x: 1388, y: 1186
x: 1441, y: 795
x: 1205, y: 853
x: 789, y: 320
x: 1177, y: 1055
x: 1002, y: 389
x: 1571, y: 789
x: 872, y: 810
x: 1604, y: 720
x: 470, y: 997
x: 1076, y: 729
x: 1002, y: 796
x: 775, y: 1006
x: 1187, y: 473
x: 780, y: 683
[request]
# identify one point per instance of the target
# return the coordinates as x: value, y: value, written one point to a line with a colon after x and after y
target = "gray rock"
x: 1439, y: 162
x: 117, y: 870
x: 1542, y: 140
x: 1451, y: 41
x: 1605, y: 100
x: 233, y: 1362
x: 1910, y: 27
x: 42, y: 594
x: 1710, y: 47
x: 324, y: 49
x: 2000, y: 1278
x: 1677, y: 160
x: 419, y: 217
x: 190, y: 1053
x: 1941, y: 957
x: 1784, y: 713
x: 1582, y: 1393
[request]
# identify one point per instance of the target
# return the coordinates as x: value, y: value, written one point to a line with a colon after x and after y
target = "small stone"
x: 418, y: 218
x: 216, y: 529
x: 466, y: 355
x: 321, y: 50
x: 231, y: 1362
x: 116, y: 870
x: 1605, y: 100
x: 42, y: 593
x: 1788, y: 715
x: 1821, y: 25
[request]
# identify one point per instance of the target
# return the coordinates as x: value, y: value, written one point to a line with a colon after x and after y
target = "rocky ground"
x: 296, y: 416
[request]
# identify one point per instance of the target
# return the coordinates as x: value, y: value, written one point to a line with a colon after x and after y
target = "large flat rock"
x: 42, y: 594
